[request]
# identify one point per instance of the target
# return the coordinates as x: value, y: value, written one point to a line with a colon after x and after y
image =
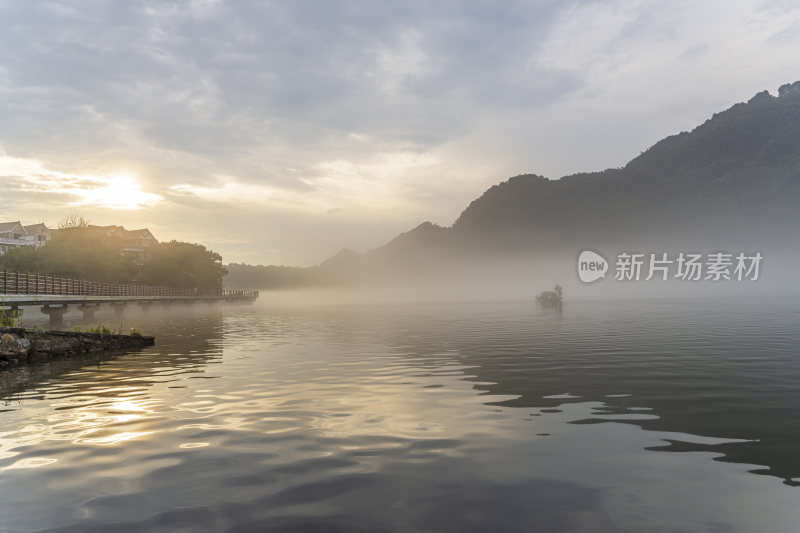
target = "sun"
x: 119, y: 191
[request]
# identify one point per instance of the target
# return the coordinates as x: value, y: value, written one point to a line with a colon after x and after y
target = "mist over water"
x: 424, y: 272
x: 410, y: 185
x: 643, y: 415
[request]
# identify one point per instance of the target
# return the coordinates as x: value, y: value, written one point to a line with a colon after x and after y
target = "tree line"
x: 78, y: 252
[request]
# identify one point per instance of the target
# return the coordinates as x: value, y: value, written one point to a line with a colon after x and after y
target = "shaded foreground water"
x: 616, y: 416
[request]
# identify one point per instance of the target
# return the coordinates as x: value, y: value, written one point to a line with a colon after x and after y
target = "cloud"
x: 32, y: 182
x: 390, y: 112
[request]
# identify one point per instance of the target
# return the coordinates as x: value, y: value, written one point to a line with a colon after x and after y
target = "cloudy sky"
x: 280, y: 132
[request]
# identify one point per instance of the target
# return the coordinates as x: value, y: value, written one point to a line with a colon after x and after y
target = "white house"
x: 137, y: 245
x: 14, y: 235
x: 38, y: 234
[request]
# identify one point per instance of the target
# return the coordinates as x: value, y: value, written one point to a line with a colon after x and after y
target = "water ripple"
x: 449, y: 418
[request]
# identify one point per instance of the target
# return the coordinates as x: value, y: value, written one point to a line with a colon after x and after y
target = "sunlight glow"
x: 121, y: 190
x: 116, y: 438
x: 30, y: 462
x: 117, y: 192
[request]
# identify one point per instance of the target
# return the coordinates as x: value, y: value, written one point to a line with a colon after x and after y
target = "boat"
x: 550, y: 298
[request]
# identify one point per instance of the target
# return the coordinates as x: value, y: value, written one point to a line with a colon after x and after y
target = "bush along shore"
x: 20, y: 346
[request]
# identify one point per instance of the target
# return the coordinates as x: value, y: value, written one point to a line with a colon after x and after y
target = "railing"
x: 42, y: 284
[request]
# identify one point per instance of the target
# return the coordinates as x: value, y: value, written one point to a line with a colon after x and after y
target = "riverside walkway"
x: 54, y: 295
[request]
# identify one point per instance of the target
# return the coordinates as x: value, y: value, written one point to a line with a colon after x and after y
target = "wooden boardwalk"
x: 55, y: 294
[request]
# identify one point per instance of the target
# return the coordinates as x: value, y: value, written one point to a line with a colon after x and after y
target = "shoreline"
x: 21, y: 347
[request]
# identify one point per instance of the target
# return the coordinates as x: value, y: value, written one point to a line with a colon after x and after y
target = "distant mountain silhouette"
x: 735, y: 177
x: 738, y: 173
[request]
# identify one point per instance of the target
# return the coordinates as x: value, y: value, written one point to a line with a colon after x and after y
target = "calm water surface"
x: 625, y: 416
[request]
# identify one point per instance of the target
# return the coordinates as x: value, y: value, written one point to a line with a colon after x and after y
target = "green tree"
x: 82, y: 253
x: 75, y: 252
x: 184, y: 265
x: 22, y: 259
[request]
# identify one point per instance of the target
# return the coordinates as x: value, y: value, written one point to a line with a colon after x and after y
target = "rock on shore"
x: 19, y: 346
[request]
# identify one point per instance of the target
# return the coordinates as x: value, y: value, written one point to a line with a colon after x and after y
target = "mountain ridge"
x: 735, y: 177
x: 711, y: 168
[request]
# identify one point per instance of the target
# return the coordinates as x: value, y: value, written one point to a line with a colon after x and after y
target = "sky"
x: 281, y: 132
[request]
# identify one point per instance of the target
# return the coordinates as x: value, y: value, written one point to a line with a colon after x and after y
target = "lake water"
x: 656, y: 416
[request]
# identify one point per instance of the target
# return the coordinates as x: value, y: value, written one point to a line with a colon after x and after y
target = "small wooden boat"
x: 550, y: 298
